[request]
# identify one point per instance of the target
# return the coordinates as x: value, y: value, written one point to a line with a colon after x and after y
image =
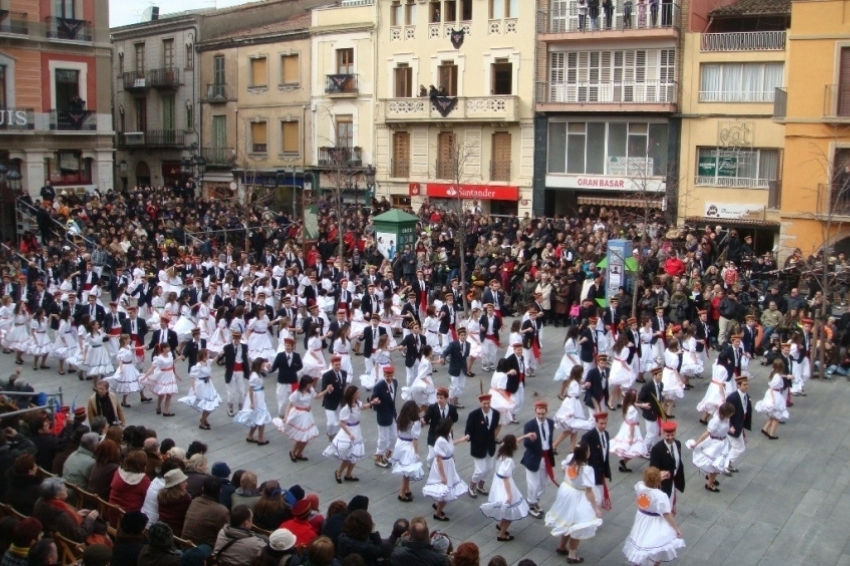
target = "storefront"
x: 564, y: 193
x: 748, y: 220
x: 492, y: 199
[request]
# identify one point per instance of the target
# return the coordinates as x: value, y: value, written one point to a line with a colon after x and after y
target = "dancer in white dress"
x: 259, y: 336
x: 431, y: 329
x: 715, y: 394
x: 620, y: 376
x: 711, y: 449
x: 405, y: 455
x: 628, y: 443
x: 502, y: 400
x: 647, y: 351
x: 314, y: 358
x: 162, y: 378
x: 217, y: 341
x: 673, y: 386
x: 576, y: 514
x: 569, y: 361
x: 773, y: 406
x: 40, y: 346
x: 203, y: 396
x: 444, y: 484
x: 423, y: 390
x: 125, y: 380
x: 298, y: 422
x: 185, y: 323
x: 505, y: 502
x: 7, y: 315
x: 78, y: 357
x: 570, y: 418
x: 18, y: 338
x: 473, y: 336
x: 65, y: 344
x: 97, y: 359
x: 692, y: 361
x: 654, y: 537
x: 254, y: 413
x: 342, y: 348
x: 347, y: 445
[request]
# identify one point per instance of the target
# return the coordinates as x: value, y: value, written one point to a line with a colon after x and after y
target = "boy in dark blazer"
x: 482, y: 428
x: 740, y: 421
x: 287, y: 364
x: 169, y: 336
x: 385, y: 392
x: 337, y: 377
x: 192, y: 347
x: 650, y: 403
x: 457, y: 353
x: 599, y: 441
x: 666, y: 455
x: 538, y: 458
x: 434, y: 414
x: 236, y: 370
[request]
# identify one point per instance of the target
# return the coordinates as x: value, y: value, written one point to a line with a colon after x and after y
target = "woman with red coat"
x: 130, y: 484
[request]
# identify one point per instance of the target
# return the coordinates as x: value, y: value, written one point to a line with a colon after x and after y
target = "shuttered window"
x: 446, y: 156
x: 500, y: 169
x: 448, y: 78
x: 401, y: 154
x: 844, y: 83
x: 403, y: 81
x: 259, y: 137
x: 289, y: 70
x: 289, y: 137
x: 259, y: 72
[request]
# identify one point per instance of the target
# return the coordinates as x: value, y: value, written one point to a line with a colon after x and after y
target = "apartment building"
x: 455, y: 84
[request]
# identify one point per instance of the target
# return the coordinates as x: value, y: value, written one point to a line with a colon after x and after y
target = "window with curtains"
x: 740, y: 82
x: 739, y: 168
x: 259, y: 137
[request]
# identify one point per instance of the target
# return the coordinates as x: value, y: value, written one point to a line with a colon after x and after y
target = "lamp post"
x: 195, y: 166
x: 370, y: 186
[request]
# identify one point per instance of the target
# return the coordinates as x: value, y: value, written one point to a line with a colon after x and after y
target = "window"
x: 636, y: 149
x: 259, y: 72
x: 120, y: 63
x: 219, y: 132
x: 169, y: 123
x: 289, y: 72
x: 140, y: 59
x: 450, y: 10
x: 64, y: 9
x: 750, y: 168
x: 396, y: 14
x: 218, y: 70
x: 68, y: 168
x: 190, y: 56
x: 502, y: 77
x: 401, y: 155
x: 258, y: 137
x: 466, y: 10
x: 167, y: 53
x: 740, y: 82
x: 345, y: 61
x: 344, y: 131
x: 68, y: 90
x: 403, y: 81
x: 513, y: 8
x: 289, y: 137
x: 190, y: 116
x: 3, y: 103
x: 497, y: 9
x: 434, y: 12
x: 446, y: 158
x: 410, y: 13
x: 500, y: 166
x: 510, y: 8
x: 448, y: 78
x: 141, y: 114
x: 843, y: 95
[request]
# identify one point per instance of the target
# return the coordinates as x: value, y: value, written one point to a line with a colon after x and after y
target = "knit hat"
x: 297, y: 493
x: 358, y: 502
x: 134, y: 522
x: 281, y: 539
x: 97, y: 555
x: 221, y: 470
x: 26, y: 531
x: 160, y: 535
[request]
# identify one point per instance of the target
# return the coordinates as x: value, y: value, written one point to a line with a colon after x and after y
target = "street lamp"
x: 370, y: 185
x: 13, y: 180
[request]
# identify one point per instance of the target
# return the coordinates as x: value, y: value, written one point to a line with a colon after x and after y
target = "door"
x: 843, y: 108
x: 218, y: 78
x: 403, y: 81
x: 345, y: 61
x: 401, y: 154
x: 169, y: 124
x: 500, y: 169
x: 502, y: 77
x: 141, y: 114
x: 68, y: 90
x: 446, y: 158
x: 448, y: 78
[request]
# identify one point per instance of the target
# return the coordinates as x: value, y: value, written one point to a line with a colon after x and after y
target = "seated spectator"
x: 417, y: 550
x: 44, y: 553
x: 196, y: 470
x: 107, y: 456
x: 154, y: 458
x: 57, y: 516
x: 236, y: 544
x: 78, y: 466
x: 280, y: 551
x: 206, y: 516
x: 360, y: 537
x: 151, y: 505
x: 316, y: 518
x: 196, y: 447
x: 47, y: 443
x: 25, y: 534
x: 97, y: 555
x: 129, y: 539
x: 160, y: 548
x: 130, y: 484
x: 12, y: 445
x: 299, y: 525
x: 334, y: 521
x: 246, y: 493
x: 173, y: 501
x: 7, y: 526
x: 321, y: 552
x: 22, y: 484
x: 222, y: 472
x: 467, y: 554
x: 271, y: 510
x: 400, y: 528
x: 62, y: 455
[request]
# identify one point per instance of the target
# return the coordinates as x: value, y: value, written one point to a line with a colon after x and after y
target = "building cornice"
x: 233, y: 42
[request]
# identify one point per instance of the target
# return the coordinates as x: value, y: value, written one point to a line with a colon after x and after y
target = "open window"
x: 502, y: 77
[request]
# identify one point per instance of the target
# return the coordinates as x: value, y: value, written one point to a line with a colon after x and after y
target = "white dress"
x: 431, y: 329
x: 259, y: 414
x: 163, y: 380
x: 715, y: 395
x: 97, y: 360
x: 260, y: 342
x: 342, y: 447
x: 65, y: 345
x: 125, y: 380
x: 423, y: 390
x: 773, y: 405
x: 569, y: 361
x: 692, y: 361
x: 18, y: 338
x: 501, y: 400
x: 647, y: 352
x: 474, y: 338
x: 673, y: 387
x: 629, y: 442
x: 40, y: 345
x: 217, y: 341
x: 343, y: 350
x: 710, y: 454
x: 300, y: 425
x: 77, y: 357
x: 358, y: 324
x: 314, y: 359
x: 454, y: 486
x: 404, y: 458
x: 497, y: 506
x: 184, y: 325
x: 570, y: 415
x: 572, y: 514
x: 6, y: 315
x: 621, y: 371
x: 203, y: 395
x: 651, y: 539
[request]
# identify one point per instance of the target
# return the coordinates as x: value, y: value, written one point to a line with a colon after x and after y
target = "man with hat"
x: 516, y: 379
x: 40, y: 299
x: 299, y: 526
x: 236, y: 365
x: 599, y: 441
x: 113, y: 323
x: 703, y: 334
x: 490, y: 326
x: 610, y: 318
x: 596, y: 380
x: 97, y: 555
x: 804, y: 360
x: 387, y: 285
x: 420, y: 288
x: 371, y: 303
x: 344, y: 298
x: 94, y: 310
x: 162, y: 336
x: 530, y: 330
x: 337, y: 378
x: 287, y: 364
x: 740, y: 421
x: 413, y: 344
x: 659, y: 327
x: 409, y: 314
x: 587, y: 343
x: 730, y: 357
x: 494, y: 296
x: 457, y: 353
x: 371, y: 335
x: 385, y: 392
x: 538, y: 458
x: 434, y: 414
x: 136, y: 328
x: 309, y: 321
x: 191, y: 348
x: 289, y: 311
x: 448, y: 319
x: 666, y: 455
x: 650, y: 402
x: 482, y: 428
x: 748, y: 341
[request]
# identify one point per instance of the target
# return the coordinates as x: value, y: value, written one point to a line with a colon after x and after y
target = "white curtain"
x: 773, y: 79
x: 711, y: 83
x: 751, y: 83
x: 768, y: 164
x: 732, y: 79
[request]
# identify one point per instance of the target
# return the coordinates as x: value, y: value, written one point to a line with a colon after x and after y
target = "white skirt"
x: 497, y: 506
x: 41, y: 346
x: 651, y: 540
x: 345, y: 448
x: 18, y: 339
x: 98, y: 362
x: 125, y: 380
x: 405, y: 461
x: 300, y: 425
x: 203, y: 398
x: 572, y: 515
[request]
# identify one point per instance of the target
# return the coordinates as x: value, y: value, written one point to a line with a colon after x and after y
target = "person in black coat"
x: 490, y: 324
x: 413, y: 344
x: 287, y: 364
x: 587, y: 343
x: 236, y: 365
x: 666, y: 455
x: 135, y: 328
x: 385, y: 392
x: 169, y: 336
x: 370, y: 304
x: 730, y: 357
x: 192, y: 347
x: 434, y: 414
x: 94, y: 310
x: 338, y: 378
x: 538, y: 458
x: 650, y: 402
x: 515, y: 370
x: 482, y: 428
x: 371, y: 335
x: 599, y: 442
x: 410, y: 312
x: 742, y: 420
x: 596, y: 394
x: 457, y: 353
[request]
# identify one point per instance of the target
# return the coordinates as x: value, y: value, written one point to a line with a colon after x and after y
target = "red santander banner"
x: 464, y: 191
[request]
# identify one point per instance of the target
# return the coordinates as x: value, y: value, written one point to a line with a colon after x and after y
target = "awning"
x: 636, y: 202
x: 752, y: 223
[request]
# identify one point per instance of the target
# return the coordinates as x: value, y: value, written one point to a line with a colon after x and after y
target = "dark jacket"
x: 661, y: 458
x: 229, y: 353
x: 533, y: 454
x: 432, y: 419
x: 150, y: 556
x: 22, y: 491
x: 331, y: 401
x: 647, y: 395
x: 598, y: 459
x: 369, y: 342
x: 743, y: 417
x: 196, y: 483
x: 53, y: 519
x: 100, y: 479
x: 456, y: 353
x: 413, y: 344
x: 287, y: 372
x: 371, y: 549
x: 127, y: 548
x: 482, y: 439
x: 412, y: 553
x: 386, y: 409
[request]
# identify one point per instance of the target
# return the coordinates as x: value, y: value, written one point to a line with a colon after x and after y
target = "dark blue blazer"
x: 534, y: 448
x: 386, y: 408
x: 456, y: 353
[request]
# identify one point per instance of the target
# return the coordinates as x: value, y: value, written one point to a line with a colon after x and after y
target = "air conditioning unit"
x: 134, y: 138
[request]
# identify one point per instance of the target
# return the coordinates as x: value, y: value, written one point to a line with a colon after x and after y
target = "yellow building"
x: 815, y: 200
x: 455, y: 85
x: 731, y: 148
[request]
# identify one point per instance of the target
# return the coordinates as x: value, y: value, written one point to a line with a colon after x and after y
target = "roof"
x: 753, y: 8
x: 292, y: 23
x: 396, y: 215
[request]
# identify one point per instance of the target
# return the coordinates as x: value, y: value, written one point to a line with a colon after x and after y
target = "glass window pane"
x: 596, y: 148
x: 658, y: 149
x: 575, y: 154
x: 557, y: 147
x: 768, y: 164
x: 616, y: 145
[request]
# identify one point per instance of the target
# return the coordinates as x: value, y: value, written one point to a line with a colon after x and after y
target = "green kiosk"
x: 394, y: 229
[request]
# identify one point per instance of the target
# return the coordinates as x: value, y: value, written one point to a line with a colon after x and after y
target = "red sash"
x: 237, y: 366
x: 535, y: 350
x: 140, y: 348
x: 547, y: 459
x: 423, y: 300
x: 606, y: 496
x: 453, y: 331
x: 87, y: 287
x: 115, y: 331
x: 494, y: 339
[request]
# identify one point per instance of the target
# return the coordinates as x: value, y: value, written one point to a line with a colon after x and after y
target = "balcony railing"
x: 780, y: 103
x: 732, y: 182
x: 737, y: 96
x: 218, y: 93
x: 400, y: 168
x: 218, y: 156
x: 614, y: 92
x: 12, y: 119
x: 839, y: 197
x: 640, y: 18
x: 341, y: 84
x: 836, y: 101
x: 742, y: 41
x: 164, y: 138
x: 13, y: 22
x: 340, y: 156
x: 500, y: 171
x: 135, y: 80
x: 500, y: 108
x: 166, y: 77
x: 447, y: 169
x: 73, y: 120
x: 68, y: 28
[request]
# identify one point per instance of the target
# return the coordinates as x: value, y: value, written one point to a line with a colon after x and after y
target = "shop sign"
x: 464, y: 191
x: 605, y: 183
x: 734, y: 211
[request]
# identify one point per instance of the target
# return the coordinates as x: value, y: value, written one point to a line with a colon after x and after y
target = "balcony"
x: 218, y: 157
x: 73, y: 120
x: 839, y: 198
x: 400, y: 169
x: 732, y: 182
x: 466, y: 109
x: 14, y: 22
x: 135, y: 81
x: 340, y: 157
x: 341, y: 85
x: 166, y: 78
x: 17, y: 119
x: 68, y: 29
x: 500, y: 171
x: 836, y: 103
x: 151, y: 139
x: 557, y: 25
x: 742, y: 41
x: 649, y: 96
x: 780, y: 103
x: 218, y: 93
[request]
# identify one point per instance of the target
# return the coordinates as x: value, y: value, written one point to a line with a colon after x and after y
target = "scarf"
x: 106, y: 408
x: 62, y: 506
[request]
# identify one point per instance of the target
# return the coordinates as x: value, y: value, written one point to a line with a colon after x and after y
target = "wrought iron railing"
x: 13, y: 22
x: 341, y: 84
x: 73, y: 120
x: 340, y: 156
x: 743, y: 41
x: 68, y: 28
